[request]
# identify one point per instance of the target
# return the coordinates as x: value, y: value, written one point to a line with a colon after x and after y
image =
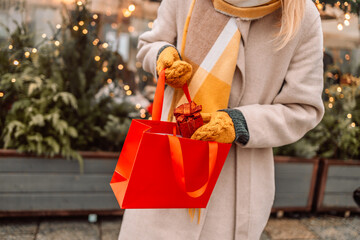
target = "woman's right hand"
x: 177, y: 72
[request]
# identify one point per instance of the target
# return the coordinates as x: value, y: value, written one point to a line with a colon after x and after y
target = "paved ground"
x: 314, y: 228
x: 107, y: 228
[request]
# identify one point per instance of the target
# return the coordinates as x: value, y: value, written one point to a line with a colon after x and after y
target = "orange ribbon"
x: 179, y: 171
x: 159, y: 97
x: 178, y: 165
x: 175, y: 146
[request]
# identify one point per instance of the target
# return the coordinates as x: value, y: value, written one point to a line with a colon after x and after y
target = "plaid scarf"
x: 212, y: 41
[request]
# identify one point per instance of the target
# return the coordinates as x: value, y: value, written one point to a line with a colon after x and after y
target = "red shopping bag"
x: 159, y: 170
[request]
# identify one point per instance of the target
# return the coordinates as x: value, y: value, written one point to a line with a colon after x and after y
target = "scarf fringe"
x: 192, y: 212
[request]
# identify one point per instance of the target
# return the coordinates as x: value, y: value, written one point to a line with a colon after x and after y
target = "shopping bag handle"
x: 178, y: 165
x: 159, y: 96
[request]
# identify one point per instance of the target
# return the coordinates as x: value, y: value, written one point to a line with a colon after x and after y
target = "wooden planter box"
x: 295, y: 180
x: 36, y: 186
x: 338, y: 181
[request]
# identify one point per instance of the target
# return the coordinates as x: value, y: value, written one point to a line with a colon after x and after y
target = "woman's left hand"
x: 219, y: 129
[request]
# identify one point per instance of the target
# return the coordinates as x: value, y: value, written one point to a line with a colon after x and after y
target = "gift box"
x: 188, y: 118
x: 159, y: 169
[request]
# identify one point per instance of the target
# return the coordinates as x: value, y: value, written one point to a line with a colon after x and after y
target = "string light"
x: 95, y: 42
x: 109, y: 81
x: 76, y: 28
x: 349, y: 115
x: 95, y: 16
x: 131, y: 8
x: 79, y: 3
x: 319, y: 6
x: 93, y: 23
x: 129, y: 92
x: 142, y: 111
x: 27, y: 54
x: 105, y: 69
x: 331, y: 99
x: 16, y: 62
x: 347, y: 57
x: 43, y: 35
x: 58, y: 26
x: 1, y: 94
x: 84, y: 31
x: 126, y: 87
x: 97, y: 58
x: 13, y: 80
x: 105, y: 45
x: 11, y: 46
x: 342, y: 95
x: 120, y: 67
x: 340, y: 27
x: 353, y: 124
x: 338, y: 89
x: 150, y: 24
x: 138, y: 106
x: 57, y: 43
x: 131, y: 29
x: 126, y: 13
x: 81, y: 23
x: 347, y: 16
x: 143, y: 115
x: 327, y: 91
x: 329, y: 75
x: 34, y: 50
x: 346, y: 22
x: 330, y: 105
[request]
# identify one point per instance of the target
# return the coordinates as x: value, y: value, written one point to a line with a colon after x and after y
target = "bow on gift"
x: 188, y: 118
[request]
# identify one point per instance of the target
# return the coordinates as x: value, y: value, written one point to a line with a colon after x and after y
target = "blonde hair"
x: 292, y: 14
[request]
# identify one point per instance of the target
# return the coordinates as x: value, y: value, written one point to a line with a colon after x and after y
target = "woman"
x: 260, y: 63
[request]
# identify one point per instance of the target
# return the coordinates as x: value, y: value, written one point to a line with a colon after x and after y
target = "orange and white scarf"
x: 211, y: 41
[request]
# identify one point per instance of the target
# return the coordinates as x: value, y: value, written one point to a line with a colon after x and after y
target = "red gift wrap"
x: 188, y: 118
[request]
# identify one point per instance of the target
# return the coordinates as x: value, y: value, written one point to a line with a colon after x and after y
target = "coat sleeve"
x: 162, y: 33
x: 298, y: 107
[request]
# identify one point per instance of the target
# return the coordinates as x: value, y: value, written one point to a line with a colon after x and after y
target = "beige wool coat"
x: 279, y: 94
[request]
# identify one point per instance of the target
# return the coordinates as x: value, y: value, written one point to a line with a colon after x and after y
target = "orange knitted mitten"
x: 220, y: 129
x: 177, y: 72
